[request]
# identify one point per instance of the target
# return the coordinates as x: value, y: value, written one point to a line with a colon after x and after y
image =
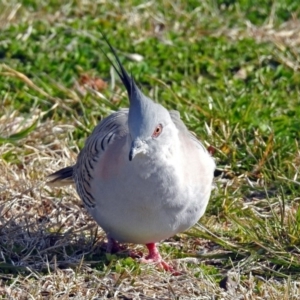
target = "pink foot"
x: 154, y: 257
x: 113, y: 246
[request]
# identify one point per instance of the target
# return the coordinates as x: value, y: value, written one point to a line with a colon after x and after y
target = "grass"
x: 232, y: 70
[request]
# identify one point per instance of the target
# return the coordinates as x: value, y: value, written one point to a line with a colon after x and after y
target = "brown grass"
x: 50, y: 248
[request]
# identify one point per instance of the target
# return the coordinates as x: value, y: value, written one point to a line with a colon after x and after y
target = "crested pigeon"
x: 142, y: 175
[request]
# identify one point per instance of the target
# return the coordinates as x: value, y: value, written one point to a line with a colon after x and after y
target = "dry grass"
x: 49, y: 246
x: 47, y: 235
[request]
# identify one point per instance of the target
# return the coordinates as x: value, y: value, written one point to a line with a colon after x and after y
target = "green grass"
x: 232, y: 70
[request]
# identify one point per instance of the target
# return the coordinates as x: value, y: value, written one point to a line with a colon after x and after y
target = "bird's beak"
x: 137, y: 146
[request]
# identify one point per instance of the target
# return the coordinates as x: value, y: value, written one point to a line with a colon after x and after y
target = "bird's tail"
x: 61, y: 177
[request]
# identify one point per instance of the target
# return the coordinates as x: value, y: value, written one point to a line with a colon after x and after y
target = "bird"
x: 142, y: 175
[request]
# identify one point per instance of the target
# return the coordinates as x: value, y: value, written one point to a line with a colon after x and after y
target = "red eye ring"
x: 157, y: 131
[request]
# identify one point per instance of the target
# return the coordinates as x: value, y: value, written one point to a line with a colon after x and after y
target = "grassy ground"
x: 232, y: 70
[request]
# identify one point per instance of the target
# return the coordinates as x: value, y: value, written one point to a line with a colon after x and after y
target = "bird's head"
x: 150, y: 125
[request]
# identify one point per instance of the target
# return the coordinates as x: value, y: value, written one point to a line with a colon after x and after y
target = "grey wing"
x: 103, y: 136
x: 175, y: 116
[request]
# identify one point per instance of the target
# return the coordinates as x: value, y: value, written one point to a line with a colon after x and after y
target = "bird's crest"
x: 144, y: 114
x: 128, y: 81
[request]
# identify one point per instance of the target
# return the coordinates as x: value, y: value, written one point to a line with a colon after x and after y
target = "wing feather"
x: 109, y: 130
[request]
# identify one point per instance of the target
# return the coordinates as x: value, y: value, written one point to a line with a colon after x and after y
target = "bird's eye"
x: 157, y: 131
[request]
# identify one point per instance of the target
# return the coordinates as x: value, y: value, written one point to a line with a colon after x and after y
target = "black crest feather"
x: 127, y: 80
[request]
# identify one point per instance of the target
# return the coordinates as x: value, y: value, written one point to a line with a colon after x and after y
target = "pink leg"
x: 154, y: 257
x: 154, y: 254
x: 112, y: 246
